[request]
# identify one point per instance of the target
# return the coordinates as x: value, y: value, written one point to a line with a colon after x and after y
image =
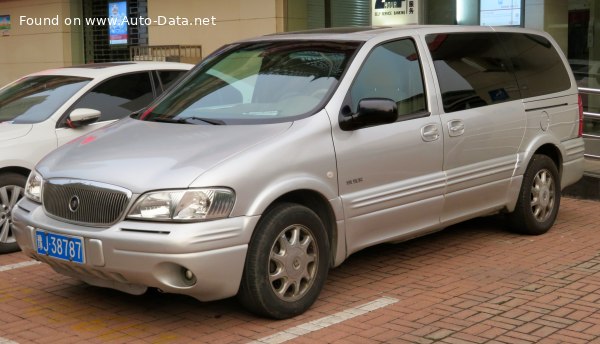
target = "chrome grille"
x: 84, y: 202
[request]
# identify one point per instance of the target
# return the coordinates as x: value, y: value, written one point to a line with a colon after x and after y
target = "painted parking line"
x: 325, y: 322
x: 16, y: 266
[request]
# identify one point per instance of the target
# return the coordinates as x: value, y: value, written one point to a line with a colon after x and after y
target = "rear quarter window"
x: 537, y: 64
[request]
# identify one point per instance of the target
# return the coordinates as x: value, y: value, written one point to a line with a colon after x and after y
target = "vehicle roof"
x: 365, y: 33
x: 101, y: 70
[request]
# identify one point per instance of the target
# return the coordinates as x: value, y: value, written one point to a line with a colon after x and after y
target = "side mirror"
x: 371, y: 112
x: 82, y: 116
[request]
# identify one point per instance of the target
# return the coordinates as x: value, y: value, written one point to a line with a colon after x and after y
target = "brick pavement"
x: 472, y: 283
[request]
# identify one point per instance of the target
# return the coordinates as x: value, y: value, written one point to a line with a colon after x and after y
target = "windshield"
x: 34, y: 99
x: 261, y: 82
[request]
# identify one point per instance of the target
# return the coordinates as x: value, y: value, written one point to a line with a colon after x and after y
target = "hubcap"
x: 293, y: 262
x: 9, y: 195
x: 542, y: 195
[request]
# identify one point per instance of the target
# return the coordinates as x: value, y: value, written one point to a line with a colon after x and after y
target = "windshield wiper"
x: 186, y: 120
x: 205, y: 120
x: 166, y: 120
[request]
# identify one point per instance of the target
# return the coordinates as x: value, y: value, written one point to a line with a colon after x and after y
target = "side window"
x: 168, y: 77
x: 538, y: 66
x: 472, y: 70
x: 392, y: 71
x: 119, y: 96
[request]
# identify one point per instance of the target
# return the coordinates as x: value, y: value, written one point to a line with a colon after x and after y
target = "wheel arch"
x: 16, y: 169
x: 545, y: 145
x: 551, y: 151
x: 316, y: 202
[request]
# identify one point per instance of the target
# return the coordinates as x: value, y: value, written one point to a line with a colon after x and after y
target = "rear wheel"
x: 11, y: 190
x: 287, y: 262
x: 539, y: 198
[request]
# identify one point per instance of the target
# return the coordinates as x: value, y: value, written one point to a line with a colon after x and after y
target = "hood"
x: 9, y: 131
x: 142, y: 156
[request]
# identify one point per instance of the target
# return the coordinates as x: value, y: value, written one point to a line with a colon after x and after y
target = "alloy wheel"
x: 9, y: 195
x: 542, y: 195
x: 293, y: 263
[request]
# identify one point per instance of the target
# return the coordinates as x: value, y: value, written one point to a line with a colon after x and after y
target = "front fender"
x: 291, y: 183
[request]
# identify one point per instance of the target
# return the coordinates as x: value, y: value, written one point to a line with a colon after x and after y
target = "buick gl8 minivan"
x: 280, y: 156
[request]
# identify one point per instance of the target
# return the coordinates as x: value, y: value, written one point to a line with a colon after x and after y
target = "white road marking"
x: 16, y: 266
x: 6, y: 341
x: 325, y: 322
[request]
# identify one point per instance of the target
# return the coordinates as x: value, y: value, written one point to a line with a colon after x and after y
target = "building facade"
x: 41, y: 34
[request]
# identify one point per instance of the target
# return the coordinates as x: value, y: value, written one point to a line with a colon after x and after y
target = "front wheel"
x: 11, y: 190
x: 287, y: 262
x: 539, y: 198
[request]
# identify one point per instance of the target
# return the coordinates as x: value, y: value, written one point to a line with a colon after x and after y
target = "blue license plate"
x: 60, y: 246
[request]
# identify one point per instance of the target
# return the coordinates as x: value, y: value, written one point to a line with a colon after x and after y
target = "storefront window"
x: 583, y: 52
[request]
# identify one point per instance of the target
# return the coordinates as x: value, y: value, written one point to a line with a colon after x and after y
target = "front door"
x: 390, y: 176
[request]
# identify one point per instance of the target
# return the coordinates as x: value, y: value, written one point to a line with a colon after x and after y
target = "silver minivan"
x: 278, y: 157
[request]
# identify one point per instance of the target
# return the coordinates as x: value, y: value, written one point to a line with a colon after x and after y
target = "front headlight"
x: 33, y: 187
x: 184, y: 205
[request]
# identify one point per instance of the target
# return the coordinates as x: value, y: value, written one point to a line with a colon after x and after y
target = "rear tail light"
x: 580, y: 103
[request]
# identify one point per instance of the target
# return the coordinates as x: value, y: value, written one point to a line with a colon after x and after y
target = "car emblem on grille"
x: 74, y: 203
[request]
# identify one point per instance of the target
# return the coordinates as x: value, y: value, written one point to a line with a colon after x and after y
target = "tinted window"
x: 168, y: 77
x: 34, y: 99
x: 392, y: 71
x: 537, y: 64
x: 472, y: 70
x: 119, y: 96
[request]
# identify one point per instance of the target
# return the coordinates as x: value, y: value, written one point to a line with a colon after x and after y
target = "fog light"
x: 173, y: 275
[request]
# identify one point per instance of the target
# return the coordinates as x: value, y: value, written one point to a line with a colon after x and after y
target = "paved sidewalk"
x: 592, y: 167
x: 472, y: 283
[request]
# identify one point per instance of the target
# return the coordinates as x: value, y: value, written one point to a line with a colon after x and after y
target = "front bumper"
x: 133, y: 255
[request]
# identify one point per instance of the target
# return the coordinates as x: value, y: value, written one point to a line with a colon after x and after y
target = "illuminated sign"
x: 500, y: 12
x: 394, y: 12
x: 4, y: 24
x: 117, y: 22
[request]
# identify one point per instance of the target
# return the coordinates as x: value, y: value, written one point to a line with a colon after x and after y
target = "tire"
x: 539, y: 198
x: 11, y: 190
x: 287, y: 262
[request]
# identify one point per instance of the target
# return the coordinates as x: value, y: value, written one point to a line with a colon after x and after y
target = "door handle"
x: 456, y: 127
x: 430, y: 132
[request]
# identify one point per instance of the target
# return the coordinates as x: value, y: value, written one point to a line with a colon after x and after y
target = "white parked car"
x: 44, y: 110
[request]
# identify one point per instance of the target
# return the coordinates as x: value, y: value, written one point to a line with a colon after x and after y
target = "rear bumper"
x: 573, y: 162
